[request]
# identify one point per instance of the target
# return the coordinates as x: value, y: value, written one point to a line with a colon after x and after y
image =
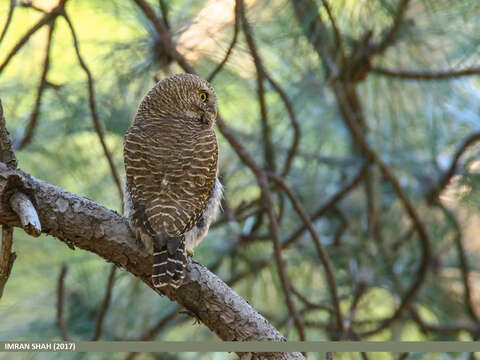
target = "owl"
x: 172, y: 191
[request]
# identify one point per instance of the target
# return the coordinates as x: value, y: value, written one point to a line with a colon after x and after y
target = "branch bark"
x: 82, y: 223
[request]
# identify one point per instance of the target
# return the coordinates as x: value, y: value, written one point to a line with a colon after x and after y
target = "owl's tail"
x: 169, y: 261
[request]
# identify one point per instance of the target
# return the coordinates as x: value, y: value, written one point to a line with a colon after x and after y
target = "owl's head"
x: 182, y: 97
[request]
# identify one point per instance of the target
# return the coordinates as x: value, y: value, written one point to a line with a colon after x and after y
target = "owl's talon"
x: 190, y: 252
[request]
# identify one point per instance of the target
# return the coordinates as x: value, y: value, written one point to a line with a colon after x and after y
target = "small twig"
x: 60, y: 302
x: 318, y: 245
x: 261, y: 75
x: 426, y: 75
x: 310, y: 304
x: 337, y: 237
x: 447, y: 176
x: 402, y: 239
x: 463, y: 262
x: 93, y: 109
x: 268, y: 152
x: 389, y: 36
x: 336, y: 33
x: 105, y: 304
x: 9, y: 19
x: 23, y: 207
x: 47, y: 18
x: 441, y: 329
x: 364, y: 355
x: 32, y: 123
x: 164, y: 35
x: 329, y: 204
x: 308, y: 16
x: 28, y: 4
x: 164, y: 10
x: 292, y: 151
x: 151, y: 333
x: 230, y: 48
x: 329, y: 356
x: 267, y: 199
x: 359, y: 290
x: 349, y: 118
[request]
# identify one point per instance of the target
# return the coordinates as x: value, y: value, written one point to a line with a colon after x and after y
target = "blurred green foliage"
x: 415, y: 126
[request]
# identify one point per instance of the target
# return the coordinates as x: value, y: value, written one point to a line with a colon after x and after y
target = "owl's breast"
x: 172, y: 173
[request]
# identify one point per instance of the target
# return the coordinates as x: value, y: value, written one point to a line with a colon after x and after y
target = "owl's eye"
x: 203, y: 96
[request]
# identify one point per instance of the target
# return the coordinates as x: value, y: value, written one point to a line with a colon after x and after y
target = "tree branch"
x: 61, y: 301
x: 321, y: 253
x: 82, y: 223
x: 268, y: 153
x: 268, y: 202
x: 150, y: 334
x: 426, y: 75
x: 47, y: 18
x: 23, y: 207
x: 164, y: 34
x: 389, y: 36
x: 9, y: 19
x: 93, y: 109
x: 230, y: 48
x: 105, y: 304
x: 32, y: 123
x: 447, y: 176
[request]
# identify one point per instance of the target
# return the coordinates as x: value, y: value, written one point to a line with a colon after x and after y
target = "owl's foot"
x: 190, y: 252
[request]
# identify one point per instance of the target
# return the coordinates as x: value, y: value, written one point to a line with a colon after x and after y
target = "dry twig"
x: 93, y: 109
x: 61, y: 302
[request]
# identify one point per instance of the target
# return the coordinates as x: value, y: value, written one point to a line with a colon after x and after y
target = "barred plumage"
x: 172, y: 190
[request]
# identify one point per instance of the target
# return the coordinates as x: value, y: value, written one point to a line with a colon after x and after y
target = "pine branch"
x: 82, y: 223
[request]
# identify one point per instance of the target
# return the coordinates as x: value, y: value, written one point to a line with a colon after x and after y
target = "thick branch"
x: 82, y: 223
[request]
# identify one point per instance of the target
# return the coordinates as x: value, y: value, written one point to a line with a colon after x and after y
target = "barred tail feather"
x: 169, y: 264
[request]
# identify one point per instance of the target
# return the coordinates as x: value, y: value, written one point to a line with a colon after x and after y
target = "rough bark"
x: 82, y: 223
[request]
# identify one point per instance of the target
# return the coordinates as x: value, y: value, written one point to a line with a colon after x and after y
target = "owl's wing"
x: 170, y: 178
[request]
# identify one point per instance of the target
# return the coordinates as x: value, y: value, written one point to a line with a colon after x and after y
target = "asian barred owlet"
x: 171, y: 190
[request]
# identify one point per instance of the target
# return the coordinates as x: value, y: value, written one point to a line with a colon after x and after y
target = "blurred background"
x: 364, y: 113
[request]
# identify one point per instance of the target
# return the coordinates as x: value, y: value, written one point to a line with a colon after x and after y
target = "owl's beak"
x: 212, y: 112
